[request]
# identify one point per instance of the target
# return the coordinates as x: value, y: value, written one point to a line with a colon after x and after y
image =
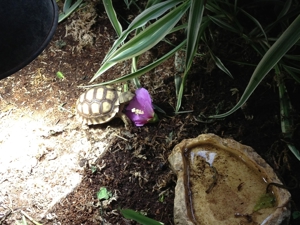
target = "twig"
x: 215, y: 180
x: 121, y: 137
x: 5, y: 215
x: 28, y: 217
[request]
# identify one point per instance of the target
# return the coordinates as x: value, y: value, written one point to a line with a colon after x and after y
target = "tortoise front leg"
x: 126, y: 120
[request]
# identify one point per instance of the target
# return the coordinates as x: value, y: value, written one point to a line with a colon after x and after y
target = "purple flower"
x: 140, y: 109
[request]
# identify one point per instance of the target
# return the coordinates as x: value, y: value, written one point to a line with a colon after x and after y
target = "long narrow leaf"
x: 220, y: 65
x: 112, y: 16
x: 270, y: 59
x: 219, y: 20
x: 285, y: 108
x: 283, y: 16
x: 146, y: 39
x: 195, y: 31
x: 256, y: 22
x: 150, y: 36
x: 294, y: 150
x: 293, y: 72
x: 177, y: 81
x: 293, y: 57
x: 67, y: 5
x: 148, y: 14
x: 130, y: 214
x: 286, y: 119
x: 195, y: 18
x: 68, y: 9
x: 143, y: 70
x: 102, y: 69
x: 152, y: 2
x: 285, y: 9
x: 258, y: 49
x: 151, y: 13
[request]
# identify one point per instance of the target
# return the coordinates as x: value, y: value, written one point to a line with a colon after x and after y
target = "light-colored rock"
x: 220, y: 181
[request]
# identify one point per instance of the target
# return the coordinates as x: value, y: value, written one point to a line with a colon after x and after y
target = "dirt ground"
x: 51, y: 168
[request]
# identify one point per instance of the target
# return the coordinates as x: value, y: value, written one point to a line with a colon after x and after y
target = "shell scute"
x: 98, y: 105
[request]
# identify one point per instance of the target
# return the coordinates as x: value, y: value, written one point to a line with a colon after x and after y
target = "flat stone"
x: 220, y: 181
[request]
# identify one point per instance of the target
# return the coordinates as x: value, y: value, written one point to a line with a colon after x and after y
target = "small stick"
x: 28, y: 217
x: 121, y: 137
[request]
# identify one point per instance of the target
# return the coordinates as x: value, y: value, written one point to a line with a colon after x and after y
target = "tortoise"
x: 101, y: 104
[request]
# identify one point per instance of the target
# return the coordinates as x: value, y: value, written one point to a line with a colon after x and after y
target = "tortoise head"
x: 125, y: 97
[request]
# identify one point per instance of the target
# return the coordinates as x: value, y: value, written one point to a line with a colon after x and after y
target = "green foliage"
x: 112, y: 16
x: 128, y: 3
x: 268, y: 62
x: 276, y: 54
x: 130, y: 214
x: 161, y: 198
x: 296, y: 215
x: 166, y: 15
x: 145, y: 39
x: 104, y: 194
x: 273, y: 41
x: 193, y: 34
x: 60, y: 75
x: 265, y: 201
x: 94, y: 169
x: 68, y: 9
x: 24, y: 221
x: 286, y: 119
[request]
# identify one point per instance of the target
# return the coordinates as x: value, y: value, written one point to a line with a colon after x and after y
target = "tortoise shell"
x: 101, y: 104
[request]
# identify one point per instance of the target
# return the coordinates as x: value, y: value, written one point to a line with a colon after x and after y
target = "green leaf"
x: 93, y: 169
x: 178, y: 82
x: 143, y: 70
x: 67, y: 5
x: 103, y: 194
x: 148, y: 14
x: 158, y: 109
x: 194, y: 33
x: 130, y: 214
x: 145, y: 39
x: 284, y: 15
x: 293, y: 57
x: 285, y: 9
x: 155, y: 119
x: 220, y: 65
x: 150, y: 36
x: 161, y: 198
x: 152, y: 2
x: 194, y: 22
x: 102, y: 69
x: 219, y: 20
x: 286, y: 119
x: 270, y: 59
x: 265, y: 201
x: 68, y: 9
x: 296, y: 215
x: 112, y: 16
x: 179, y: 27
x: 256, y: 22
x: 292, y: 72
x: 135, y: 80
x: 285, y: 108
x: 294, y: 150
x: 60, y: 75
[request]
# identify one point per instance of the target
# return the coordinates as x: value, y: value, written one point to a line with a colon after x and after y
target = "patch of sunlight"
x: 39, y: 168
x: 19, y: 143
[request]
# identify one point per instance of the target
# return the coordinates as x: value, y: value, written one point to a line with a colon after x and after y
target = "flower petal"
x: 140, y: 109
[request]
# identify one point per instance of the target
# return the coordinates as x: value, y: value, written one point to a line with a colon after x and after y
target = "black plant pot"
x: 26, y: 27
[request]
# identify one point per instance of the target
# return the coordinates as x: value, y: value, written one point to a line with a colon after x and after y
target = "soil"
x: 51, y: 168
